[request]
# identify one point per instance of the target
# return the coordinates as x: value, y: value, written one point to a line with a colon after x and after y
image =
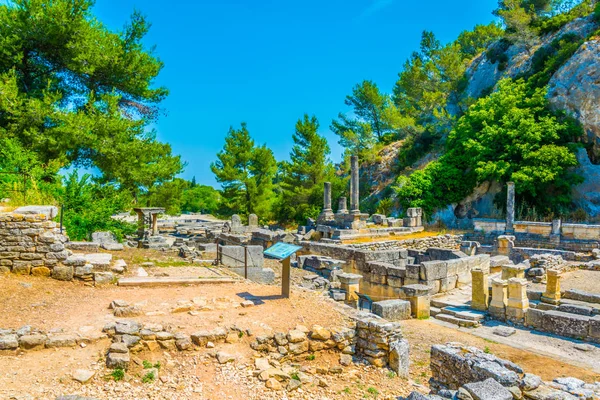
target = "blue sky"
x: 269, y: 62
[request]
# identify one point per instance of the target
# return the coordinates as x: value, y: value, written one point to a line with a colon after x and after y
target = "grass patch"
x: 310, y: 357
x: 149, y: 377
x: 372, y: 391
x: 147, y: 364
x: 118, y: 374
x: 487, y: 350
x: 391, y: 374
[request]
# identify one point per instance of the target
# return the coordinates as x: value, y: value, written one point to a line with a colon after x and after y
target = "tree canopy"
x: 78, y: 94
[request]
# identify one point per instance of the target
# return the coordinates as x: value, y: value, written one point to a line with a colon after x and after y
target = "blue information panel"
x: 282, y: 250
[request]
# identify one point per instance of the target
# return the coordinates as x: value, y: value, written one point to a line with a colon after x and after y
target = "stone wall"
x: 460, y: 372
x: 32, y: 244
x: 440, y: 241
x: 376, y: 340
x: 569, y: 324
x: 571, y: 237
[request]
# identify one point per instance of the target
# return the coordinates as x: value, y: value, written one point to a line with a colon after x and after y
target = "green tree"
x: 372, y: 118
x: 201, y: 198
x: 518, y: 16
x: 246, y: 173
x: 508, y: 136
x: 303, y: 176
x: 76, y: 93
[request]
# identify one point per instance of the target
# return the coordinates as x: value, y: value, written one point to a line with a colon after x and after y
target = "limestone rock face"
x: 575, y: 88
x: 587, y: 194
x: 483, y: 75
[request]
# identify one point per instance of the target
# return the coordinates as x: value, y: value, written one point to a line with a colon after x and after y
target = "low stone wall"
x: 28, y: 338
x: 377, y: 341
x: 440, y: 241
x: 570, y: 237
x: 31, y: 244
x: 582, y: 327
x: 461, y: 372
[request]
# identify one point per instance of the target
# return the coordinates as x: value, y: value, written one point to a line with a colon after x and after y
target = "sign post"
x: 283, y: 251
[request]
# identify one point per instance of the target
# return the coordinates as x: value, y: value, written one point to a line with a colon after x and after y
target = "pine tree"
x: 246, y: 173
x: 303, y: 176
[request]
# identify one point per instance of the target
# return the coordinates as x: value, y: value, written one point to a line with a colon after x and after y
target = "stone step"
x: 150, y: 281
x: 443, y: 303
x: 457, y: 321
x: 433, y: 311
x: 464, y: 313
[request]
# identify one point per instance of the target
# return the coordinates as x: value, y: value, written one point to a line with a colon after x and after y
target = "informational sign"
x: 282, y: 250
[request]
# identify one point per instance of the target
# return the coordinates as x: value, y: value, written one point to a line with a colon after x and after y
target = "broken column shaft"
x: 354, y: 192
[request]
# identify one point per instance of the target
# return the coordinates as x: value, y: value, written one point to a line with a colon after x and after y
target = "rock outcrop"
x: 575, y: 88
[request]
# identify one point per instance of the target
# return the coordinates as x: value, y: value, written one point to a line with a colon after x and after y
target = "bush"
x: 509, y: 135
x: 89, y: 207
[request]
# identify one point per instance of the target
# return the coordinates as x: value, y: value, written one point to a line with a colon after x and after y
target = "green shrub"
x: 117, y: 374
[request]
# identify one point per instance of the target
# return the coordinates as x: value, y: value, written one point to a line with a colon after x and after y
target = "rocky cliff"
x: 574, y: 88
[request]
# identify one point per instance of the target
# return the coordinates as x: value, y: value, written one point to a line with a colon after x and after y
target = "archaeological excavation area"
x: 193, y: 307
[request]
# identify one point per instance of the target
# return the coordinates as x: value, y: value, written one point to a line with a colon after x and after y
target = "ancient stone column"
x: 350, y: 284
x: 342, y: 206
x: 517, y: 303
x: 141, y: 225
x: 510, y: 207
x: 499, y: 298
x: 556, y: 226
x: 552, y: 293
x: 327, y: 197
x: 354, y: 193
x: 480, y: 289
x: 154, y: 224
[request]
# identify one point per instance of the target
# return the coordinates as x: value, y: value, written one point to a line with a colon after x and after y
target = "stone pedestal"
x: 497, y: 306
x: 350, y: 284
x: 480, y: 290
x: 504, y: 244
x: 517, y: 303
x: 418, y: 296
x: 552, y: 293
x: 510, y: 207
x: 513, y: 271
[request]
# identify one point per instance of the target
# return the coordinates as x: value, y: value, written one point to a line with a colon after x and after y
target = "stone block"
x: 118, y: 360
x: 62, y: 273
x: 432, y: 270
x: 399, y: 360
x: 48, y: 211
x: 563, y: 324
x: 594, y: 331
x: 9, y: 342
x: 234, y: 256
x: 40, y: 271
x: 21, y: 268
x: 488, y: 390
x: 392, y: 310
x: 103, y: 278
x: 30, y: 342
x: 412, y: 271
x: 534, y: 318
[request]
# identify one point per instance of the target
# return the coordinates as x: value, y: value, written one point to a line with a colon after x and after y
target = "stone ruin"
x: 461, y: 372
x: 350, y: 224
x: 32, y: 244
